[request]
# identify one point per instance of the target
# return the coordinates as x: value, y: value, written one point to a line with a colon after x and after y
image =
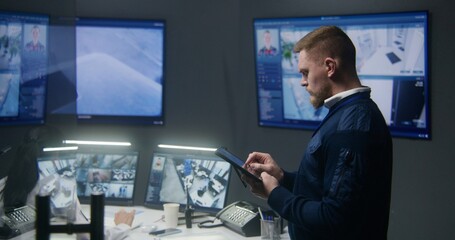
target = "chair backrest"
x: 95, y: 227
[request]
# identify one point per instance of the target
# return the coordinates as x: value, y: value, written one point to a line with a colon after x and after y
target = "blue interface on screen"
x: 23, y: 67
x: 392, y: 59
x: 119, y: 70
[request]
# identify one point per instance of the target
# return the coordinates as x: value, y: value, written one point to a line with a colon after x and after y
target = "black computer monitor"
x: 205, y: 175
x: 112, y: 172
x: 392, y: 59
x: 23, y: 67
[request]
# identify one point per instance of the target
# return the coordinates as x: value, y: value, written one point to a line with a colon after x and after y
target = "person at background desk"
x: 343, y: 185
x: 21, y: 185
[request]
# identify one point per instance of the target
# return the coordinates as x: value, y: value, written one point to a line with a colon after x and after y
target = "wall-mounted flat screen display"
x: 23, y: 67
x: 120, y: 71
x: 392, y: 59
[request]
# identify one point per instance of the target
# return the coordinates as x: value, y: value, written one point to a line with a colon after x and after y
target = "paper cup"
x: 171, y: 214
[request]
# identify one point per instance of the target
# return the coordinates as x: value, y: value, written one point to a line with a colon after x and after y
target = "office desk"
x: 150, y: 217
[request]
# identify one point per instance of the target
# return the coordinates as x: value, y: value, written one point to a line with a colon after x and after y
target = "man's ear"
x: 331, y: 66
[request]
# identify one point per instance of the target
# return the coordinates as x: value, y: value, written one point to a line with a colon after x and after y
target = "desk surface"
x: 147, y: 218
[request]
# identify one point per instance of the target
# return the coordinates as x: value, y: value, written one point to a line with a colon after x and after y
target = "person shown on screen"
x: 268, y: 49
x: 343, y: 185
x: 3, y: 39
x: 96, y: 177
x: 21, y: 185
x: 35, y: 45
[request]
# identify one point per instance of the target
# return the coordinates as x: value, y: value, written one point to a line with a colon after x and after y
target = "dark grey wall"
x: 210, y: 96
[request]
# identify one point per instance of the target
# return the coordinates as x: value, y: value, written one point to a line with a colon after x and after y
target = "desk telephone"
x: 241, y: 217
x: 17, y: 221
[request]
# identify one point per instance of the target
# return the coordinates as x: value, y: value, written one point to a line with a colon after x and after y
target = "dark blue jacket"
x: 342, y: 187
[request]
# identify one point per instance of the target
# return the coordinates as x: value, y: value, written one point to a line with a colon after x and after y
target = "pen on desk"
x: 260, y: 213
x: 85, y: 217
x: 135, y: 227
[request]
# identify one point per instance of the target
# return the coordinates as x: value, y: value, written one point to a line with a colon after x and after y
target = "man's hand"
x: 258, y: 162
x: 263, y: 165
x: 264, y: 188
x: 123, y: 216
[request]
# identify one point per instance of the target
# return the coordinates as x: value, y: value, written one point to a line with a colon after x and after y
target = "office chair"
x: 95, y: 227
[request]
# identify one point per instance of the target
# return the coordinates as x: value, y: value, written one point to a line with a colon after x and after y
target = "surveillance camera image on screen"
x: 120, y: 70
x: 206, y: 177
x: 113, y: 173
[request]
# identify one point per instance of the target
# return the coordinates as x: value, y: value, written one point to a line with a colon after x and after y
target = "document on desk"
x: 198, y: 236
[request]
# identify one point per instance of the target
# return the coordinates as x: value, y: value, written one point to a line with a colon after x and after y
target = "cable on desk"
x: 203, y: 224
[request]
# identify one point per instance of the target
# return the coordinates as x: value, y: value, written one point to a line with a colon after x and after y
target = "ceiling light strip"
x: 187, y: 147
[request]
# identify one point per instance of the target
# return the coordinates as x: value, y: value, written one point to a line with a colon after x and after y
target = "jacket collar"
x: 329, y: 102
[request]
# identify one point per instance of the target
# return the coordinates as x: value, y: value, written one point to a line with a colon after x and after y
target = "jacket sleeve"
x: 288, y: 180
x: 119, y: 232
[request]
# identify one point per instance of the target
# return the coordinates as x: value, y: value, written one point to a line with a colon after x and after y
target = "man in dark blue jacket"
x: 342, y: 187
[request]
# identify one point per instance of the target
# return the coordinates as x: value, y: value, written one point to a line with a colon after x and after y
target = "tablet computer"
x: 235, y: 162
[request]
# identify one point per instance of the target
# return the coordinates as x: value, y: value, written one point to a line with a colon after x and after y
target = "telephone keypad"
x: 22, y: 219
x: 19, y: 216
x: 239, y: 216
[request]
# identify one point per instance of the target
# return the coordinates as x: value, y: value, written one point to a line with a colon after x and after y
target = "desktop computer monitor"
x: 199, y: 179
x: 112, y: 172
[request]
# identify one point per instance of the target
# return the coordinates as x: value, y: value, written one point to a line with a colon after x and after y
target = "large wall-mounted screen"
x: 392, y: 59
x: 120, y: 70
x: 23, y: 67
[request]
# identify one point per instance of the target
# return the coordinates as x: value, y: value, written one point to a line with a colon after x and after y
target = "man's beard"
x: 317, y: 99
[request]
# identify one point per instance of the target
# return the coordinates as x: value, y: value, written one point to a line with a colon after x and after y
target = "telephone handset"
x: 17, y: 221
x: 241, y: 217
